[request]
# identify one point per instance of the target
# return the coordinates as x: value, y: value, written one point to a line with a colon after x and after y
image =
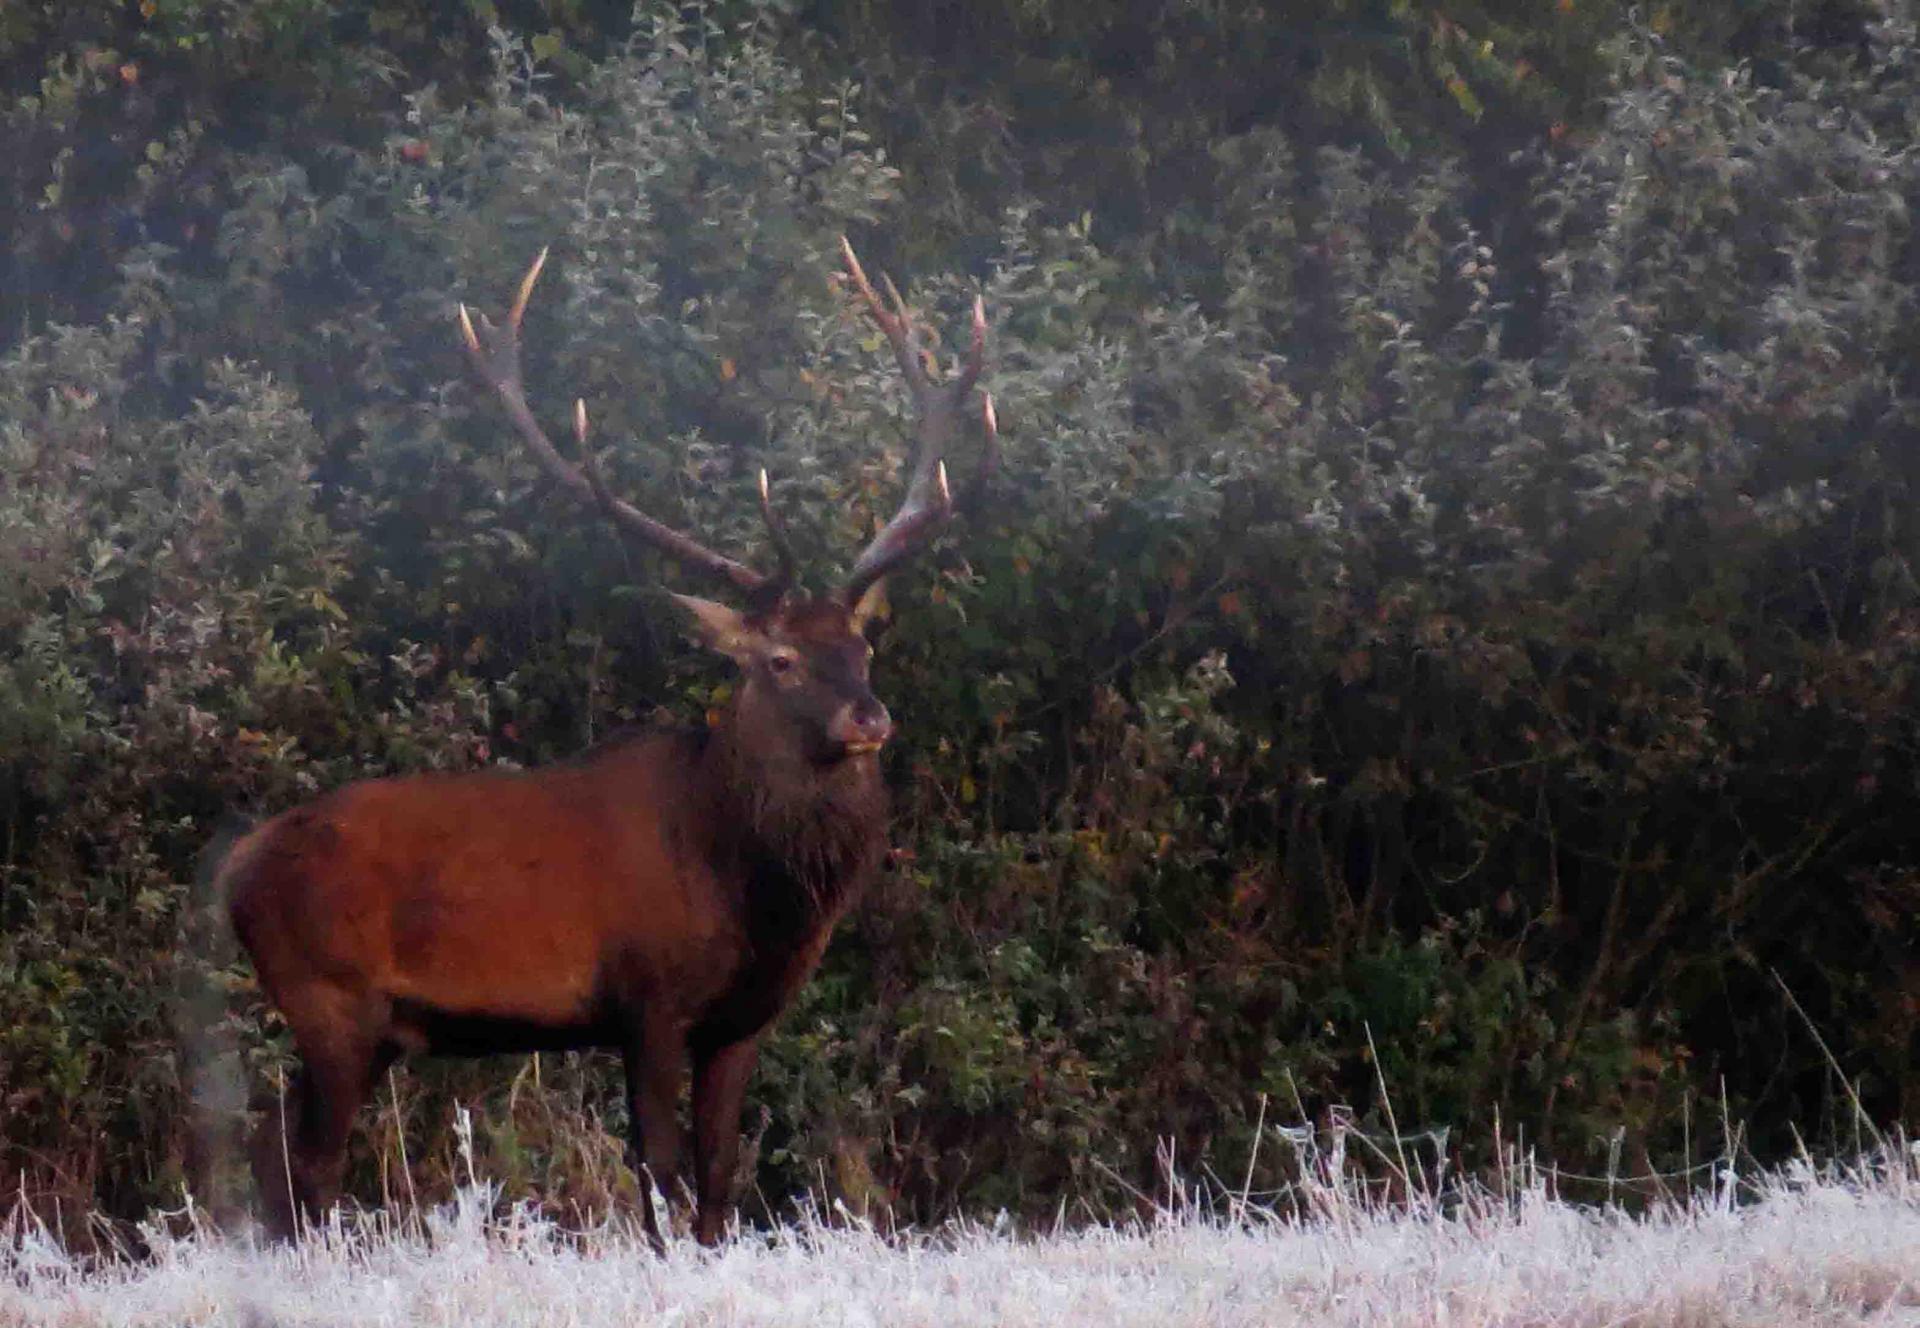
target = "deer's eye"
x: 781, y: 663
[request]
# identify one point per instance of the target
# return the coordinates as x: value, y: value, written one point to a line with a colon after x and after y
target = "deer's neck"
x: 816, y: 831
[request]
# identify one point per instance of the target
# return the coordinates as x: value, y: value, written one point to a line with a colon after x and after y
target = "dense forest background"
x: 1447, y: 620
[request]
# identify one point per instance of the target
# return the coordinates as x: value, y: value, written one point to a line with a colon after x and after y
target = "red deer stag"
x: 666, y: 895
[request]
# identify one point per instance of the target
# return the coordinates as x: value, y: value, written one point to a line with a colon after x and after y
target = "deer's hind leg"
x: 343, y: 1043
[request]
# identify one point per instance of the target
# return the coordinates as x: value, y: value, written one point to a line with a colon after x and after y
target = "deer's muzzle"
x: 861, y: 727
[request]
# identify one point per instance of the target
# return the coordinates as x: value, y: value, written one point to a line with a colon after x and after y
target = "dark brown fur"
x: 666, y: 896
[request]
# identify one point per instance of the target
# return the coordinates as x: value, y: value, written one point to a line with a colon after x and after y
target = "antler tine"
x: 899, y: 305
x: 525, y: 293
x: 589, y: 463
x: 777, y: 533
x: 976, y: 354
x: 896, y: 323
x: 495, y: 352
x: 989, y: 462
x: 911, y: 527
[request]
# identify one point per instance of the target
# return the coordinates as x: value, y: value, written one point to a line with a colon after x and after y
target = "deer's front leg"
x: 719, y: 1086
x: 655, y: 1057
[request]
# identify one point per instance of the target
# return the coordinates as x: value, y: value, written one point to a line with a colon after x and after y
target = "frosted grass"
x: 1800, y: 1249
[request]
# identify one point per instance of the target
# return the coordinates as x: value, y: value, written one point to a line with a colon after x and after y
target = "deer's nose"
x: 862, y: 726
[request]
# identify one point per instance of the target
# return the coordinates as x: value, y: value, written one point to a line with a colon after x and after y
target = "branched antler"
x: 495, y: 352
x: 938, y: 408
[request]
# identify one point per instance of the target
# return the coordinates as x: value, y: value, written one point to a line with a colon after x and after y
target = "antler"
x: 938, y: 408
x: 495, y: 352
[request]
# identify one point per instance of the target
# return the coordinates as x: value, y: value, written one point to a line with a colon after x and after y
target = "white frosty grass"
x: 1838, y: 1247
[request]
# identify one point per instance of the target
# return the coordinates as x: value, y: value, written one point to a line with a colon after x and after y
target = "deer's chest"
x: 785, y: 928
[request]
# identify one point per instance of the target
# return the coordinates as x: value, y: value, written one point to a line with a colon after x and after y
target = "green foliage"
x: 1457, y: 642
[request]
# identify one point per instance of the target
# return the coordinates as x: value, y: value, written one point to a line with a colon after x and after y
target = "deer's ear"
x: 718, y: 627
x: 873, y: 604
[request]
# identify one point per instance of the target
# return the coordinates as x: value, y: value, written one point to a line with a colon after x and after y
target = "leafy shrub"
x: 1457, y: 644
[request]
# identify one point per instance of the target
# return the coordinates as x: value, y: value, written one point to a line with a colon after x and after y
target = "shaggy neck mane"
x: 821, y: 827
